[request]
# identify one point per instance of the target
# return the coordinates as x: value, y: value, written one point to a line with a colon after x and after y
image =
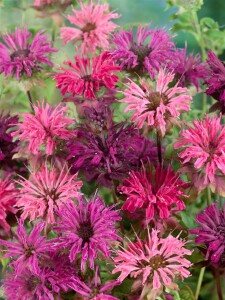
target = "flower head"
x: 27, y: 249
x: 216, y: 81
x: 86, y: 77
x: 158, y: 106
x: 46, y: 128
x: 158, y: 193
x: 46, y: 191
x: 109, y: 156
x: 7, y: 145
x: 137, y: 55
x: 20, y: 57
x: 156, y: 262
x: 211, y: 232
x: 204, y: 146
x: 8, y: 198
x: 87, y: 229
x: 93, y: 27
x: 188, y: 69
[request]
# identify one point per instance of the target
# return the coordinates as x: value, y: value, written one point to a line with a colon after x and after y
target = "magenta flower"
x: 46, y: 191
x: 156, y: 262
x: 93, y: 27
x: 188, y: 69
x: 86, y: 77
x: 138, y: 55
x: 8, y: 198
x: 26, y: 250
x: 211, y: 232
x: 216, y: 81
x: 158, y: 193
x: 26, y: 284
x: 158, y: 106
x: 19, y: 57
x: 204, y: 150
x: 48, y: 127
x: 87, y: 229
x: 109, y: 156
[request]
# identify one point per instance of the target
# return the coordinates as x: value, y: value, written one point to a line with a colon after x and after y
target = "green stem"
x: 198, y: 35
x: 30, y: 100
x: 199, y: 284
x: 159, y: 147
x: 218, y: 285
x: 208, y: 195
x: 204, y: 100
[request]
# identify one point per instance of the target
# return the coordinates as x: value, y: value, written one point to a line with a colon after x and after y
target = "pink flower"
x: 158, y: 193
x: 93, y: 27
x: 87, y: 76
x: 8, y: 195
x: 159, y: 106
x: 204, y: 148
x: 155, y: 262
x: 45, y: 191
x: 47, y: 127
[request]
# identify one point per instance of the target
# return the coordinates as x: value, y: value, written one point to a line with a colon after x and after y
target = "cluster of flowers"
x: 68, y: 244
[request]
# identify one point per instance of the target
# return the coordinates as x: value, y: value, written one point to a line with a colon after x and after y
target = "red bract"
x: 157, y: 193
x: 87, y: 76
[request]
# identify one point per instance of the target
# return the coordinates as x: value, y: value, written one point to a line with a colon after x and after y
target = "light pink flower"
x: 46, y: 128
x: 159, y: 106
x: 93, y: 27
x: 45, y: 191
x: 204, y: 148
x: 8, y: 194
x: 156, y: 262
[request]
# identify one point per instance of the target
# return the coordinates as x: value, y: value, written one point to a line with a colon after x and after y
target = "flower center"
x: 32, y: 283
x: 155, y: 99
x: 20, y: 53
x: 29, y: 251
x: 141, y: 51
x: 221, y: 230
x: 85, y: 231
x: 157, y: 262
x: 88, y: 27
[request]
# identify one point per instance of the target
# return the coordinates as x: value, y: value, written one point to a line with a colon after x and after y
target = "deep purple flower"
x: 87, y: 229
x: 19, y: 56
x: 188, y: 69
x: 137, y: 54
x: 212, y: 232
x: 7, y: 145
x: 216, y: 81
x: 108, y: 156
x: 27, y: 250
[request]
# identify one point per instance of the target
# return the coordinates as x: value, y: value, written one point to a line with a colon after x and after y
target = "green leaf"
x: 186, y: 293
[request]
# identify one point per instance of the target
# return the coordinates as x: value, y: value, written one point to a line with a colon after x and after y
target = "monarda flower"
x: 7, y: 145
x: 154, y: 263
x: 110, y: 156
x: 86, y: 230
x: 87, y: 76
x: 27, y: 250
x: 93, y: 27
x: 160, y: 105
x: 211, y: 232
x: 188, y: 69
x: 203, y: 152
x: 216, y: 81
x: 46, y: 129
x: 45, y: 191
x: 139, y: 54
x: 158, y: 193
x: 21, y: 57
x: 8, y: 198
